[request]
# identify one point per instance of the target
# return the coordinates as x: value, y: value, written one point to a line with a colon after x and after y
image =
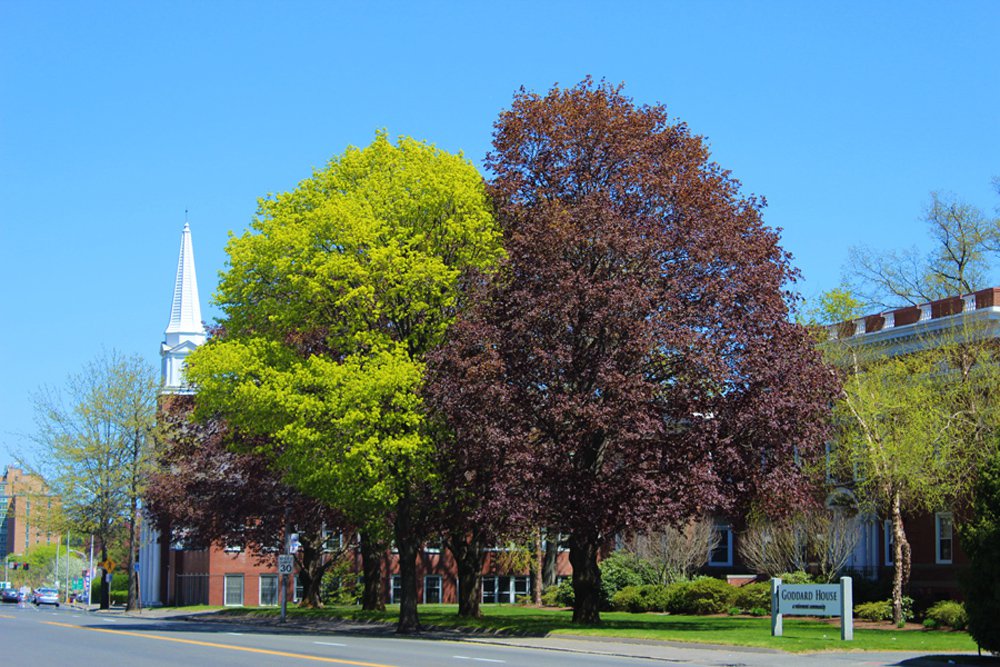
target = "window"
x: 721, y: 554
x: 299, y: 591
x: 396, y: 591
x: 433, y: 546
x: 489, y: 590
x: 505, y: 589
x: 233, y: 595
x: 432, y: 589
x: 268, y: 590
x: 889, y: 541
x: 943, y: 538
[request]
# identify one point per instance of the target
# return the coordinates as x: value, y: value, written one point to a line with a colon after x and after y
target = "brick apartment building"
x: 25, y: 503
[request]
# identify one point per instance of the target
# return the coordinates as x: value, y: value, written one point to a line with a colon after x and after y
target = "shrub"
x: 798, y: 577
x: 948, y: 612
x: 705, y: 595
x: 622, y: 569
x: 759, y: 611
x: 638, y: 599
x: 733, y: 611
x: 881, y: 610
x: 753, y: 595
x: 930, y: 623
x: 560, y: 595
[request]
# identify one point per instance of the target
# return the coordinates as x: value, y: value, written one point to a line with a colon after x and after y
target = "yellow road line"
x: 4, y: 616
x: 231, y: 647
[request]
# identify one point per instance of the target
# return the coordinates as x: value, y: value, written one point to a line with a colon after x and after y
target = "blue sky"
x: 115, y: 117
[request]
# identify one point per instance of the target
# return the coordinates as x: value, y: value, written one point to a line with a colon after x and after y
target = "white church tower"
x: 184, y: 333
x: 185, y: 330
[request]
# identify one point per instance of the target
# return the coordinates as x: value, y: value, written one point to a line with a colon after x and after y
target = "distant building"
x: 25, y: 503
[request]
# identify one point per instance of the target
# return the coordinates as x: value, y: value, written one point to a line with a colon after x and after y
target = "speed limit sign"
x: 285, y: 563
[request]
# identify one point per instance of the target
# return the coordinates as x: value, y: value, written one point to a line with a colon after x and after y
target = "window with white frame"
x: 505, y: 590
x: 396, y: 590
x: 268, y: 590
x: 433, y: 545
x: 889, y: 540
x: 943, y: 538
x: 233, y: 593
x: 432, y: 589
x: 721, y: 554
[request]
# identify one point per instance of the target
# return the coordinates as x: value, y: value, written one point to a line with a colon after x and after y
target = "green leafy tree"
x: 980, y: 537
x: 912, y: 426
x: 95, y: 439
x: 331, y: 304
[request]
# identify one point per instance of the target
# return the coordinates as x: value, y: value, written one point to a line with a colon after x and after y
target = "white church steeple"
x: 185, y: 331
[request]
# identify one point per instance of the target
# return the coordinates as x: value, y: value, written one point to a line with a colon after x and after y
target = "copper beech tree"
x: 635, y: 345
x: 207, y: 493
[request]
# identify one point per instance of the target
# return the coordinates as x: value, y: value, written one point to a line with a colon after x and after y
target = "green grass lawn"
x: 800, y: 635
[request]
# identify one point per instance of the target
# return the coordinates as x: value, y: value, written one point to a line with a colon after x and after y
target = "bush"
x: 948, y: 612
x: 705, y: 595
x: 759, y: 611
x: 560, y: 595
x: 881, y: 610
x: 798, y: 577
x: 118, y: 589
x: 620, y: 570
x: 750, y: 596
x: 639, y: 599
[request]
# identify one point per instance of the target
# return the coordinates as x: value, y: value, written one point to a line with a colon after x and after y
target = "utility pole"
x: 67, y: 566
x: 283, y: 568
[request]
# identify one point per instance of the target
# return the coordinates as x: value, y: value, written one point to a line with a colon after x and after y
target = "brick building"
x: 25, y: 503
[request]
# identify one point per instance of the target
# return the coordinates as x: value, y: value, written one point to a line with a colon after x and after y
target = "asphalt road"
x: 39, y: 637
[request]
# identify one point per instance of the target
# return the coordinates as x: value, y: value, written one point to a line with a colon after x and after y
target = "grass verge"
x: 800, y: 635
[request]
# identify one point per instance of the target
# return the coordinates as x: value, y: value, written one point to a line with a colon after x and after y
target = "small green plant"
x: 705, y: 595
x: 734, y: 611
x: 797, y: 577
x: 753, y: 595
x: 560, y: 595
x: 947, y: 612
x: 881, y: 610
x: 759, y: 611
x: 639, y: 599
x: 930, y: 623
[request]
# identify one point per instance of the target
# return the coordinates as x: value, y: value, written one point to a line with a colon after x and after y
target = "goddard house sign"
x: 813, y: 600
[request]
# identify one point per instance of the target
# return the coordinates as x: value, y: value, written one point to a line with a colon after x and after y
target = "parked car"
x: 11, y: 595
x: 46, y: 596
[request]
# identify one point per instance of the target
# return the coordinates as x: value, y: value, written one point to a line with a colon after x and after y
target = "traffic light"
x: 16, y: 565
x: 25, y: 566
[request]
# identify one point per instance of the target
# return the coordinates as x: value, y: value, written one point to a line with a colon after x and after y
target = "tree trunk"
x: 586, y: 579
x: 469, y: 557
x: 538, y: 562
x: 372, y: 554
x: 407, y: 545
x: 550, y: 571
x: 901, y: 560
x: 311, y: 571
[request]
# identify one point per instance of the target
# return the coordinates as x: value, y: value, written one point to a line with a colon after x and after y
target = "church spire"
x: 185, y: 331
